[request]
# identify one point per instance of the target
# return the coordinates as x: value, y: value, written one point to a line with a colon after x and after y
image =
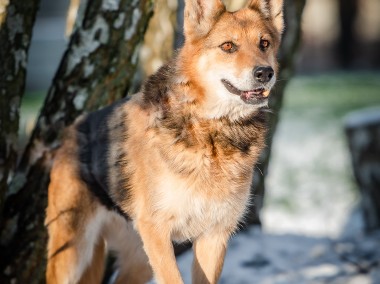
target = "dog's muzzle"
x: 255, y: 96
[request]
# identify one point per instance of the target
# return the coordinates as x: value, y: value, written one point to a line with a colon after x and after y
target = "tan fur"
x: 174, y: 163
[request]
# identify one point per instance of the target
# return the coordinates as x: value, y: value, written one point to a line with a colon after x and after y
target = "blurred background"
x: 311, y: 190
x: 337, y: 35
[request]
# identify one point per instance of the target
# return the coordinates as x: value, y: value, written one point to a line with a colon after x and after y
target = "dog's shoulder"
x: 96, y: 134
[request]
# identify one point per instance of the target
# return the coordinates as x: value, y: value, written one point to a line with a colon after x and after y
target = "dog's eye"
x: 228, y: 47
x: 264, y: 44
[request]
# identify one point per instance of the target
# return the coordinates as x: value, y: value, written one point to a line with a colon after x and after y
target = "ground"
x: 255, y: 257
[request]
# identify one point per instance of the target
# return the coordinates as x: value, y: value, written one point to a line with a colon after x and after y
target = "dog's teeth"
x: 266, y: 93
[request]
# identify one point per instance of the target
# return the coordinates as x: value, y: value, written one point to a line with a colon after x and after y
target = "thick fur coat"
x: 172, y: 163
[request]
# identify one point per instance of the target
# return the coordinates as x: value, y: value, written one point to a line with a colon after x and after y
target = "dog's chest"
x: 203, y: 181
x: 192, y: 209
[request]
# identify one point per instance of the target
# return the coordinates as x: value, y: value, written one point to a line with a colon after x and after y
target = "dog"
x: 172, y: 163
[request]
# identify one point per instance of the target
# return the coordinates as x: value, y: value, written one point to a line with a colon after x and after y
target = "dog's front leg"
x: 159, y: 248
x: 209, y: 252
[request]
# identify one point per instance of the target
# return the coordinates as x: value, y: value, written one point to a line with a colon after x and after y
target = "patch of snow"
x: 363, y: 117
x: 313, y: 194
x: 262, y: 258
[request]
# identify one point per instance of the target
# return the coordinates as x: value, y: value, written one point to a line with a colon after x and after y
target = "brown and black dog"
x: 174, y: 162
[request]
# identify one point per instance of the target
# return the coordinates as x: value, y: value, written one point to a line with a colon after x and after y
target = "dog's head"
x: 231, y: 56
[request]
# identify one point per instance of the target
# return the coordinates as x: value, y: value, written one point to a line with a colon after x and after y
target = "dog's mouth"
x: 255, y: 96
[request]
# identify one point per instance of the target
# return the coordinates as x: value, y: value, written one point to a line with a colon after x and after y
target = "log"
x: 363, y: 133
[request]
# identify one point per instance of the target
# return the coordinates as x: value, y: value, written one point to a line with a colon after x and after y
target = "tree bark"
x: 96, y: 69
x: 16, y: 22
x: 290, y: 42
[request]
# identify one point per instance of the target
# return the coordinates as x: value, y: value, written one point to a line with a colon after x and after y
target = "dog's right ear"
x: 271, y: 9
x: 200, y: 15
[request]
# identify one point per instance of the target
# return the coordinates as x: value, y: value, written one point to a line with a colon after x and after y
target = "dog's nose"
x: 263, y: 74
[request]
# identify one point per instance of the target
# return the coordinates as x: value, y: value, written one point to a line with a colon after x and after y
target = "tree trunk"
x: 290, y: 42
x: 96, y: 69
x: 348, y: 10
x: 179, y: 37
x: 16, y: 23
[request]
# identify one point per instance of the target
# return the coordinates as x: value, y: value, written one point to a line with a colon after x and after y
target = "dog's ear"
x: 271, y: 9
x: 200, y: 15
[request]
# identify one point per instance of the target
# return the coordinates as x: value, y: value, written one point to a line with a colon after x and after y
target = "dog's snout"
x: 263, y: 74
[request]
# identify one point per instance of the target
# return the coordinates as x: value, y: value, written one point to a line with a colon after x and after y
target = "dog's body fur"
x: 173, y: 163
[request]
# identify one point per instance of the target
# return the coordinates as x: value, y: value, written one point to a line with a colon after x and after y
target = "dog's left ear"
x: 200, y: 15
x: 271, y: 9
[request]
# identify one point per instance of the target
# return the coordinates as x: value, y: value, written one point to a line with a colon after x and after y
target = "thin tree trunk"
x: 179, y: 37
x: 348, y: 10
x: 96, y: 69
x: 16, y: 22
x: 290, y: 42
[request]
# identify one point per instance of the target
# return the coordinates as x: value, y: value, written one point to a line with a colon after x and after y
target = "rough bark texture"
x: 96, y: 69
x: 363, y: 133
x: 16, y: 23
x: 290, y: 43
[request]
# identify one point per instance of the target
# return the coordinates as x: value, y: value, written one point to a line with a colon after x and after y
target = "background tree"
x: 96, y: 69
x: 16, y: 22
x: 348, y: 10
x: 287, y: 54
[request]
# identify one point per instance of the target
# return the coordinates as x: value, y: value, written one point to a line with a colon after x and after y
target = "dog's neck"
x: 170, y: 99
